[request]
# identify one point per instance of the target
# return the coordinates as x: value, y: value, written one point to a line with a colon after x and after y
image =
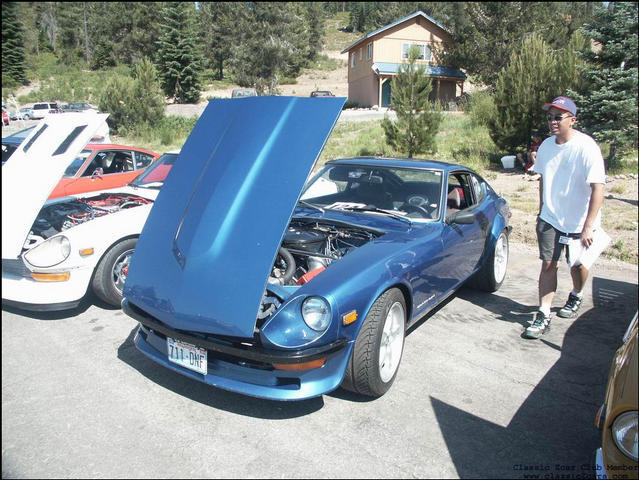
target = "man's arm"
x: 596, y: 200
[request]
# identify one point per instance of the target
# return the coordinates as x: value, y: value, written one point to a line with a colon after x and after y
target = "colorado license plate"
x: 187, y: 355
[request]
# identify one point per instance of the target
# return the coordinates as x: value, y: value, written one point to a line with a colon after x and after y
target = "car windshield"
x: 411, y: 192
x: 73, y: 168
x: 154, y: 176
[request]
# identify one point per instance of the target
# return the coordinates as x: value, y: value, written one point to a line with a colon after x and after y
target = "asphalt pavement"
x: 472, y: 399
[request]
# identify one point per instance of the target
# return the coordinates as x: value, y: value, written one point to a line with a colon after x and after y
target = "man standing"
x: 571, y: 191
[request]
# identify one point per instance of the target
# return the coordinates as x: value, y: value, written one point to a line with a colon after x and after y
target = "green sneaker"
x: 571, y: 308
x: 539, y: 326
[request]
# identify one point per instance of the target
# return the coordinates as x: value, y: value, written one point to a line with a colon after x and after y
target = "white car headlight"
x: 49, y: 253
x: 316, y: 313
x: 624, y: 433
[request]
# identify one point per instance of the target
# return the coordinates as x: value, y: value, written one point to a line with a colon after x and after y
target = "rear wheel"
x: 378, y: 349
x: 112, y: 270
x: 493, y: 272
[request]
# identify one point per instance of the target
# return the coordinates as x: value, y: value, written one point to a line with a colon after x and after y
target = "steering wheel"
x: 410, y: 208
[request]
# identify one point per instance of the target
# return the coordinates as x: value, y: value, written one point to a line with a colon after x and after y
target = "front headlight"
x: 624, y: 433
x: 49, y: 253
x: 316, y: 313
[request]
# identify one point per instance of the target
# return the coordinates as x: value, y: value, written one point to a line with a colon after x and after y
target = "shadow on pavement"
x: 212, y: 396
x: 565, y: 400
x: 88, y: 300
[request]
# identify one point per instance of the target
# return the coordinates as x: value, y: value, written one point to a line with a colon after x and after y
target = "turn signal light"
x: 85, y: 252
x: 301, y: 366
x: 349, y: 317
x: 51, y: 277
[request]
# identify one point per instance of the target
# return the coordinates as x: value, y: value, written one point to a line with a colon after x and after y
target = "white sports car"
x: 53, y: 251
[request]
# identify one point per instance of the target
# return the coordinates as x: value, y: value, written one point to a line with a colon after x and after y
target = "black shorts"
x: 548, y: 238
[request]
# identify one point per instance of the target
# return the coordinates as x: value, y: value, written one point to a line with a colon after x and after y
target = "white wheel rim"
x: 501, y: 258
x: 390, y: 348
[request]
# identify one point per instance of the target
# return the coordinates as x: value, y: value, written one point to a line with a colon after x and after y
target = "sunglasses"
x: 557, y: 118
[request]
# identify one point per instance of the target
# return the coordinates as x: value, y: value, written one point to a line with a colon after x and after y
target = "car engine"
x: 308, y: 248
x: 60, y: 216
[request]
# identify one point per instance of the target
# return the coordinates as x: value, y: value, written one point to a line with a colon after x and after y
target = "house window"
x: 352, y: 60
x: 360, y: 53
x: 369, y: 51
x: 424, y: 51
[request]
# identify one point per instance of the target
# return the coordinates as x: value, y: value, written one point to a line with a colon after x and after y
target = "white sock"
x: 545, y: 310
x: 577, y: 294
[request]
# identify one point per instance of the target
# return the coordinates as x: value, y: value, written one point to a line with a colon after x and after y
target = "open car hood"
x: 206, y: 250
x: 35, y: 168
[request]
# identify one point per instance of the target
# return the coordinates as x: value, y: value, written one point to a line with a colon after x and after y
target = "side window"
x: 142, y: 160
x: 478, y: 191
x: 459, y: 195
x: 98, y: 162
x: 119, y: 162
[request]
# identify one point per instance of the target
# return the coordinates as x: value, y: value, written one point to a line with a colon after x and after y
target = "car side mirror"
x: 462, y: 217
x: 98, y: 172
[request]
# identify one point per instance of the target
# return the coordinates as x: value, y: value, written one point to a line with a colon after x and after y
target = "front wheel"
x: 493, y: 272
x: 112, y: 270
x: 378, y: 349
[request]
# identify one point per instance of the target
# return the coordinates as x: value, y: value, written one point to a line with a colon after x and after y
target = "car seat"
x: 453, y: 200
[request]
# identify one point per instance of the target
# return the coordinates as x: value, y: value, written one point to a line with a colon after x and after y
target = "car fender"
x: 101, y: 234
x: 356, y: 291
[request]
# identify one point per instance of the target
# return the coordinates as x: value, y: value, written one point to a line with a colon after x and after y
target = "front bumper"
x: 247, y: 370
x: 24, y: 292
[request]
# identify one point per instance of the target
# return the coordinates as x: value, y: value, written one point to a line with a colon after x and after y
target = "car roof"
x: 399, y: 162
x: 105, y: 146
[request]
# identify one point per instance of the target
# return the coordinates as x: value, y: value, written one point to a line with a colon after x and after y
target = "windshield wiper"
x: 379, y: 210
x: 311, y: 205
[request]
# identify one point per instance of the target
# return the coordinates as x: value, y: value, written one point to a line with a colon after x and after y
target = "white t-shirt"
x: 567, y: 171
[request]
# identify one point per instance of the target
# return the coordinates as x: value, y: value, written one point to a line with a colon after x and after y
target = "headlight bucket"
x: 49, y: 253
x: 624, y: 433
x: 316, y: 313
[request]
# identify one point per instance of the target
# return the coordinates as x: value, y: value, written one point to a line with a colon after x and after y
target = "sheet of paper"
x: 578, y: 255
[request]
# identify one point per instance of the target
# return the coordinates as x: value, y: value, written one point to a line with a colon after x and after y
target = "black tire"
x: 26, y: 117
x: 366, y: 374
x: 110, y: 273
x: 492, y: 274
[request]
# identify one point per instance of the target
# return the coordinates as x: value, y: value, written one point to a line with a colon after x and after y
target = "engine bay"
x: 309, y: 248
x: 60, y: 216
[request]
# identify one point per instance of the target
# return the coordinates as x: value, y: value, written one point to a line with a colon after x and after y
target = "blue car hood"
x: 207, y: 248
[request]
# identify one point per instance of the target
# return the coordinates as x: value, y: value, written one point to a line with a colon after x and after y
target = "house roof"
x: 391, y: 25
x: 432, y: 71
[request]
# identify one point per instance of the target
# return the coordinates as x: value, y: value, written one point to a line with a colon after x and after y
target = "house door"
x: 386, y: 93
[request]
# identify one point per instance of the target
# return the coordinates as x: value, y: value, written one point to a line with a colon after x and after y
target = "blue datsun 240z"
x: 242, y: 281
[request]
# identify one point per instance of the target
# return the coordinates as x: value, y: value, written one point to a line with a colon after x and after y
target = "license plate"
x: 186, y: 355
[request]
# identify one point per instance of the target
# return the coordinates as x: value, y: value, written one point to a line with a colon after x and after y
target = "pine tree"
x: 315, y: 21
x: 148, y: 102
x: 12, y: 46
x: 523, y: 87
x: 178, y: 58
x: 607, y: 98
x: 274, y: 42
x: 417, y: 119
x: 218, y: 23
